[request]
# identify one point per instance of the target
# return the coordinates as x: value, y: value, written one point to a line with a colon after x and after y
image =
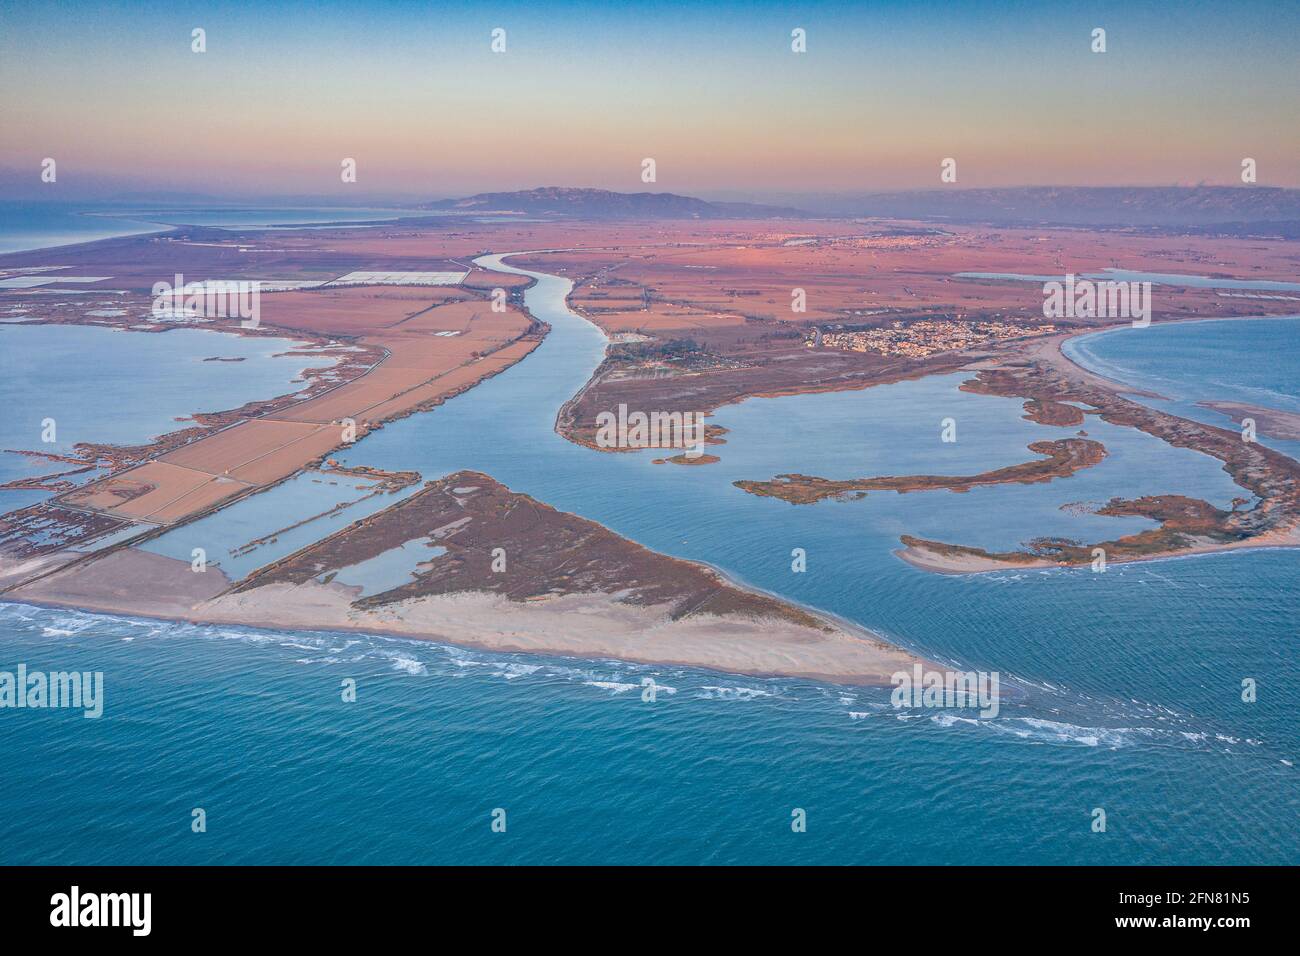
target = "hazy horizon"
x: 583, y: 93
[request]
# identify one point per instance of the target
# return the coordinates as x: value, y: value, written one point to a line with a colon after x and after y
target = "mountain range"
x: 605, y: 204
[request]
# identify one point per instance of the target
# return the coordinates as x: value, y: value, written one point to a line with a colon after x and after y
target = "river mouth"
x: 505, y: 428
x: 1125, y: 680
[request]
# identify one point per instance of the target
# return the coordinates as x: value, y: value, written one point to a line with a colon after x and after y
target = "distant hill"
x: 1234, y: 207
x: 604, y: 204
x: 1225, y: 210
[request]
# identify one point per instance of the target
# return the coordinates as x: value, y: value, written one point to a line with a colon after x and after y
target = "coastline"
x: 936, y: 562
x: 1123, y: 387
x: 147, y: 228
x: 752, y: 632
x: 610, y: 626
x: 582, y: 626
x: 943, y: 558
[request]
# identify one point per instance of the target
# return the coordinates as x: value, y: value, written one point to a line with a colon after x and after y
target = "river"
x: 1125, y: 686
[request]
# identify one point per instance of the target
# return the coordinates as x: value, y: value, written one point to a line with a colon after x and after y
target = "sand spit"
x: 949, y: 559
x: 1268, y: 421
x: 580, y: 625
x: 128, y: 581
x: 589, y: 626
x: 572, y: 588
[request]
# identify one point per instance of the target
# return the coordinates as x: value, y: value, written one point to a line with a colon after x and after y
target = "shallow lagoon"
x: 114, y: 387
x: 306, y: 500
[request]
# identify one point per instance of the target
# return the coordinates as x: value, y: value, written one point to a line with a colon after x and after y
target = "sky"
x: 584, y: 92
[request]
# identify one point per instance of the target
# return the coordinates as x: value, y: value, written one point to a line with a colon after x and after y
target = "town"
x: 920, y: 338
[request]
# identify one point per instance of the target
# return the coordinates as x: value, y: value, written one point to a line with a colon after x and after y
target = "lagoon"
x: 1123, y: 687
x: 115, y: 387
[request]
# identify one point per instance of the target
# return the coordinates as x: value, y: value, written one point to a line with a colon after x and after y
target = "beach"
x: 573, y: 588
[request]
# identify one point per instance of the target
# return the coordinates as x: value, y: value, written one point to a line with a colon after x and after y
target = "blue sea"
x: 40, y: 225
x: 1251, y: 361
x: 1123, y: 689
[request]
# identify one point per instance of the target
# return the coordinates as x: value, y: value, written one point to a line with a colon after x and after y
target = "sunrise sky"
x: 584, y: 92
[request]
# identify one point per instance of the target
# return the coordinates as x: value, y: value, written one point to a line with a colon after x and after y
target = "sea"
x: 1123, y: 691
x: 27, y: 225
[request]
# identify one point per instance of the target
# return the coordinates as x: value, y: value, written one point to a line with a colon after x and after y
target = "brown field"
x: 355, y: 398
x: 152, y: 489
x: 199, y: 500
x: 352, y: 310
x: 452, y: 382
x: 852, y: 273
x: 487, y: 280
x: 421, y: 369
x: 660, y: 317
x: 246, y: 442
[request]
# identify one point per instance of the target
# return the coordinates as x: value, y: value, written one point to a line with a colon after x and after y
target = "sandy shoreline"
x: 929, y: 560
x: 1050, y: 349
x: 1272, y: 422
x: 588, y: 626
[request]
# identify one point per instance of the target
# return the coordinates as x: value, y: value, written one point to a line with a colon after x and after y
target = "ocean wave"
x: 515, y: 671
x: 711, y: 692
x: 1043, y: 730
x: 406, y: 663
x: 1049, y: 712
x: 614, y: 687
x: 951, y: 720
